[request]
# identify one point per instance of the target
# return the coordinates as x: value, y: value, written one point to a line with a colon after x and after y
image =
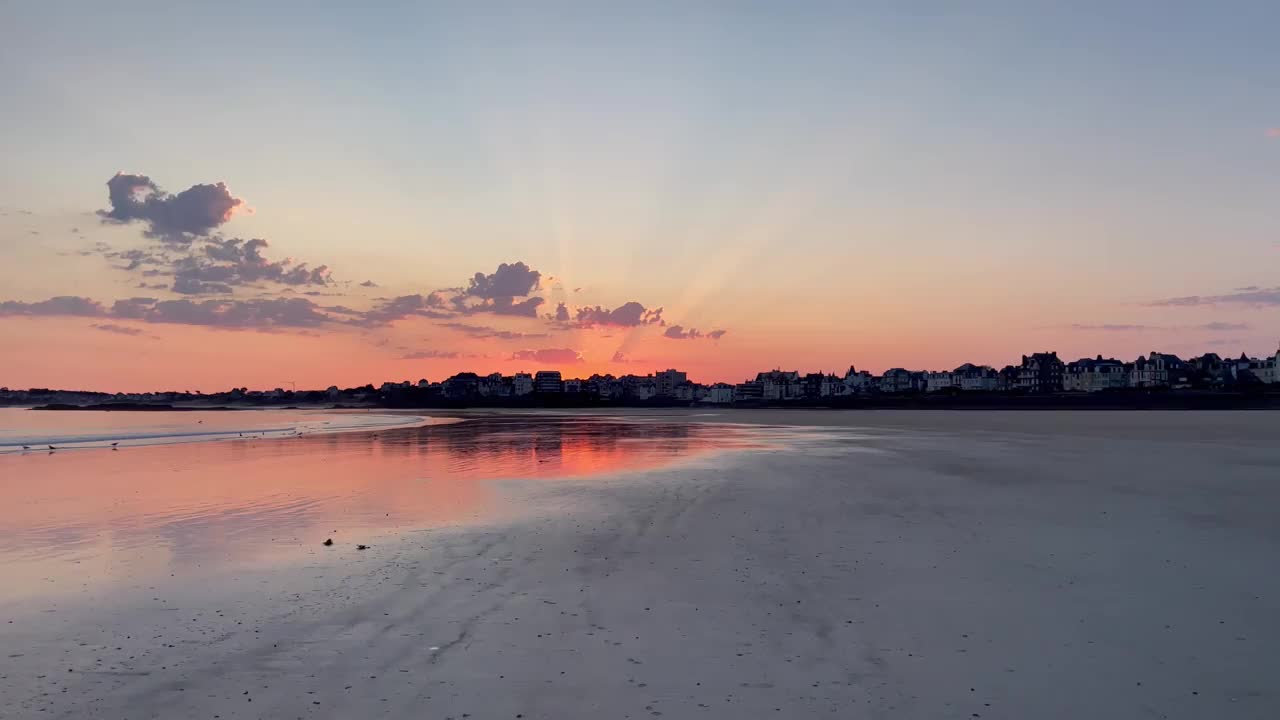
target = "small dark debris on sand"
x: 362, y: 547
x: 327, y: 542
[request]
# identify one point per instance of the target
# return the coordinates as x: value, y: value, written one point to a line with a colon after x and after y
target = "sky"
x: 211, y: 195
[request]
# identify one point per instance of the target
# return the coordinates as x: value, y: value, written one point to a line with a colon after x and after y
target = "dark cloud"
x: 431, y: 355
x: 60, y: 305
x: 628, y: 314
x: 390, y: 310
x: 369, y: 284
x: 562, y: 356
x: 562, y: 313
x: 508, y: 281
x: 499, y: 306
x: 192, y: 286
x: 1258, y: 297
x: 194, y: 212
x: 257, y: 313
x: 235, y: 262
x: 485, y: 332
x: 117, y: 329
x: 677, y: 332
x: 152, y: 286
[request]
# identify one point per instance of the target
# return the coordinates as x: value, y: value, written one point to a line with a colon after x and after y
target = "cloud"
x: 192, y: 286
x: 562, y: 313
x: 508, y: 281
x: 1110, y: 327
x: 563, y: 356
x: 618, y: 357
x: 398, y: 308
x: 1258, y: 297
x: 117, y: 329
x: 499, y: 306
x: 194, y: 212
x: 677, y: 332
x: 369, y: 284
x: 60, y: 305
x: 1223, y: 326
x: 485, y: 332
x: 1273, y: 132
x: 236, y: 262
x: 431, y: 355
x: 628, y: 314
x: 257, y: 313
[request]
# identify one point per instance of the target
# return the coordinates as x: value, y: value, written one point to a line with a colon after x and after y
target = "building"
x: 898, y: 380
x: 858, y: 381
x: 1040, y: 373
x: 720, y: 394
x: 572, y: 386
x: 1156, y: 370
x: 749, y: 391
x: 780, y: 385
x: 547, y: 381
x: 521, y: 384
x: 667, y: 381
x: 976, y: 378
x: 1095, y: 375
x: 939, y: 381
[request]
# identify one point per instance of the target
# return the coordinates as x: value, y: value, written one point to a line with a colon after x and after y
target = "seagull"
x: 52, y: 447
x: 26, y: 447
x: 115, y: 443
x: 327, y: 542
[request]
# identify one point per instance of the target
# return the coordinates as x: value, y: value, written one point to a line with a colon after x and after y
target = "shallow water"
x: 80, y: 522
x: 24, y: 430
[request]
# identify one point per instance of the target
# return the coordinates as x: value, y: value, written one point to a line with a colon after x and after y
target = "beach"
x: 744, y: 564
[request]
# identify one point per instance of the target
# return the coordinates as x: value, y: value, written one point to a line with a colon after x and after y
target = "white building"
x: 521, y: 383
x: 720, y: 393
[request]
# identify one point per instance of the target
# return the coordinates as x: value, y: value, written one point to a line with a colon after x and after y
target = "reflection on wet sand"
x: 79, y: 520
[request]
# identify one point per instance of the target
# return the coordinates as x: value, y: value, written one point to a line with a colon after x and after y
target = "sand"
x: 908, y: 565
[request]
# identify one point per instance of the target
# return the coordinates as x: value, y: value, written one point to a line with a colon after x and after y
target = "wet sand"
x: 910, y: 565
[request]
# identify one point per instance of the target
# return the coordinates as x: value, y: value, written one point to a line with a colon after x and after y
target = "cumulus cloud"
x: 628, y: 314
x: 117, y: 329
x: 192, y: 286
x: 619, y: 357
x: 562, y: 356
x: 508, y: 281
x: 194, y: 212
x: 677, y: 332
x: 1258, y: 297
x: 562, y: 313
x: 369, y: 284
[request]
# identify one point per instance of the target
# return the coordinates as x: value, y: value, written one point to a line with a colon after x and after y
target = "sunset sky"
x: 718, y: 187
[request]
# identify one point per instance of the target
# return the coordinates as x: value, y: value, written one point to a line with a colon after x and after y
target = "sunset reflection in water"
x: 83, y: 518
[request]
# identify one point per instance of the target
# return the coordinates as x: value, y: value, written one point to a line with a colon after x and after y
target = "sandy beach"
x: 879, y: 565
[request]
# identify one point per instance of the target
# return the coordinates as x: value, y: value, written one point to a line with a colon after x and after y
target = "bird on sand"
x: 115, y: 444
x: 52, y: 447
x: 327, y: 542
x: 26, y: 447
